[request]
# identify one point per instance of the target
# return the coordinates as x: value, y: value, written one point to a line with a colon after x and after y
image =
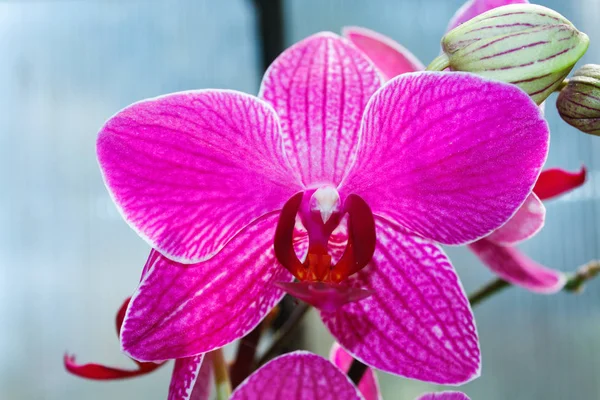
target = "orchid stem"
x: 575, y: 283
x: 221, y: 375
x: 242, y: 366
x: 562, y: 85
x: 440, y: 63
x: 285, y: 333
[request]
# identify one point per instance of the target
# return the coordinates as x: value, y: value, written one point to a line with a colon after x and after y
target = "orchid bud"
x: 579, y: 102
x: 525, y: 44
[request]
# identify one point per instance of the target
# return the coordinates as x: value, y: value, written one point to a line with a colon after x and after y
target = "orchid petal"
x: 444, y: 396
x: 189, y: 170
x: 554, y: 182
x: 473, y: 8
x: 515, y: 267
x: 297, y: 376
x: 368, y: 385
x: 418, y: 322
x: 184, y: 376
x: 319, y: 88
x: 450, y: 156
x: 389, y: 57
x: 204, y: 381
x: 184, y: 310
x: 527, y: 221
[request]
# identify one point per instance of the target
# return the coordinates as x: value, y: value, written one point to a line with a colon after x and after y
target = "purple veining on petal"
x: 368, y: 385
x: 473, y: 8
x: 297, y: 376
x: 184, y: 376
x: 184, y: 310
x: 189, y: 170
x: 324, y: 296
x: 389, y: 57
x: 319, y: 88
x: 450, y: 156
x: 515, y: 267
x: 527, y: 221
x: 418, y: 322
x: 444, y: 396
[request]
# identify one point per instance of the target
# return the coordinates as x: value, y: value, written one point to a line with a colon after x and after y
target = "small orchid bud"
x: 579, y: 102
x: 525, y: 44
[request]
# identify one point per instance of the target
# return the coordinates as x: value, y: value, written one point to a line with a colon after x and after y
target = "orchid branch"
x: 439, y: 63
x: 221, y: 375
x: 575, y: 283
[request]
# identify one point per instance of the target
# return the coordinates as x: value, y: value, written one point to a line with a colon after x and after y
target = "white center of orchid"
x: 325, y: 200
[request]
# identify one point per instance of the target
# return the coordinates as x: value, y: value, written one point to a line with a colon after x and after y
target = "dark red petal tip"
x: 103, y: 373
x: 555, y: 181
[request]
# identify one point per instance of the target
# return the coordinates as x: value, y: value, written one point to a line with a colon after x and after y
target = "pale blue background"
x: 67, y: 260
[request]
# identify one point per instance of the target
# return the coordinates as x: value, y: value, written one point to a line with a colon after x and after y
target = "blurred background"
x: 67, y: 260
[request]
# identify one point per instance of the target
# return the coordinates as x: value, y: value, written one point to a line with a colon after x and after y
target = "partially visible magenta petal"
x: 297, y: 376
x: 515, y: 267
x: 473, y: 8
x: 184, y: 377
x: 418, y: 322
x: 189, y: 170
x: 555, y: 181
x: 527, y: 221
x: 444, y: 396
x: 204, y: 381
x: 368, y: 385
x: 324, y: 296
x: 389, y: 57
x: 184, y: 310
x: 448, y: 155
x: 319, y: 88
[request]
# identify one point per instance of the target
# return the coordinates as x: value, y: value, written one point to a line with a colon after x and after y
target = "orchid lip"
x: 317, y: 266
x: 326, y: 297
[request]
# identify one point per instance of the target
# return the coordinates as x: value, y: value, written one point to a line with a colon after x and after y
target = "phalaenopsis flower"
x: 330, y: 178
x: 496, y: 250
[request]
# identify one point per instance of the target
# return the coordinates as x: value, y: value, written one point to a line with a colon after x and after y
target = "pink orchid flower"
x: 496, y: 250
x: 332, y: 179
x: 306, y: 376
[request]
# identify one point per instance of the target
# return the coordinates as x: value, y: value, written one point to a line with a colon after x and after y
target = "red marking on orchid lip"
x: 554, y: 182
x: 102, y: 372
x: 326, y: 297
x: 317, y: 266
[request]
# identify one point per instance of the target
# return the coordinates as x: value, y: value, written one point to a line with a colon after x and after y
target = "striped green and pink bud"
x: 579, y: 102
x: 524, y: 44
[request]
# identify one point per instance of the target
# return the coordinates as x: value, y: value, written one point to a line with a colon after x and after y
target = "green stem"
x: 285, y: 333
x: 221, y: 375
x: 575, y: 283
x: 440, y: 63
x: 562, y: 85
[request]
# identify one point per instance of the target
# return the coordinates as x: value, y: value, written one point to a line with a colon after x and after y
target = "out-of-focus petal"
x: 189, y: 170
x: 324, y: 296
x: 297, y: 376
x: 450, y: 156
x: 473, y: 8
x: 319, y: 88
x: 555, y: 181
x: 444, y: 396
x: 204, y: 381
x: 184, y: 310
x: 368, y: 385
x: 184, y: 376
x: 515, y: 267
x: 418, y: 322
x: 527, y: 221
x: 389, y: 57
x: 104, y: 373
